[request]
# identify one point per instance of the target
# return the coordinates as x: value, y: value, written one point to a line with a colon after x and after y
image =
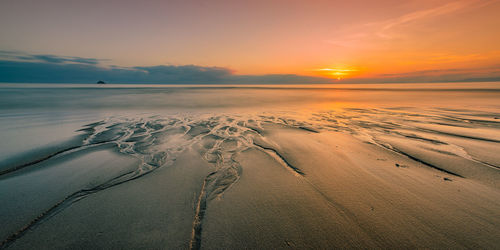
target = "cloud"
x: 423, y: 14
x: 57, y: 69
x: 58, y: 59
x: 364, y: 36
x: 15, y: 68
x: 20, y: 56
x: 278, y: 79
x: 489, y: 74
x: 47, y: 72
x: 185, y: 72
x: 416, y: 16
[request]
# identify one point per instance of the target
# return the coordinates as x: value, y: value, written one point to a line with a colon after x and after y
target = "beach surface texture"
x: 252, y: 168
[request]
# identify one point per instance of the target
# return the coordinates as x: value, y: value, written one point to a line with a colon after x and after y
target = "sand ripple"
x: 432, y: 137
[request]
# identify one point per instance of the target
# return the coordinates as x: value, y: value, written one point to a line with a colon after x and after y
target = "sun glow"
x: 336, y: 72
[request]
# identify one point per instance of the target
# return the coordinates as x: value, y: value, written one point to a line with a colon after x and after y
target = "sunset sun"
x: 338, y: 73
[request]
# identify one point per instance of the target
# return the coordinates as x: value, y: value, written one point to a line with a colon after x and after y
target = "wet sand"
x: 319, y: 177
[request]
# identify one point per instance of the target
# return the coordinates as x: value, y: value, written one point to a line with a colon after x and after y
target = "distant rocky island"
x: 101, y: 82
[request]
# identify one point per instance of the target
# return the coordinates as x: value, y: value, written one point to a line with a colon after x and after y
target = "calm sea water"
x: 34, y: 115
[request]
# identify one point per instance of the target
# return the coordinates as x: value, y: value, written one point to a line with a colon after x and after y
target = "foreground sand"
x: 263, y: 183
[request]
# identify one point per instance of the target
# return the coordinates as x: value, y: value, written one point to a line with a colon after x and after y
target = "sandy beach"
x: 275, y: 174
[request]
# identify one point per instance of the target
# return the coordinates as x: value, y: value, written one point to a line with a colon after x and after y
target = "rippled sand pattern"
x: 437, y: 138
x: 256, y: 167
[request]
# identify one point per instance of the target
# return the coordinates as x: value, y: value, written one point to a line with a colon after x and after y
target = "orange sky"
x: 355, y: 39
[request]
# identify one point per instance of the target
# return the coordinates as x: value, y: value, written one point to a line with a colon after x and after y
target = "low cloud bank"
x: 18, y: 67
x: 23, y: 68
x: 486, y: 74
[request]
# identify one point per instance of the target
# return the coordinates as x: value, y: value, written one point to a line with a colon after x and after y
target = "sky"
x: 257, y: 41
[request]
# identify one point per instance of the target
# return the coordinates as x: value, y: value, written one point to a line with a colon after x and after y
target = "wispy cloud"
x: 440, y: 58
x: 422, y: 15
x: 474, y: 71
x: 436, y: 75
x: 363, y: 35
x: 21, y: 56
x: 58, y: 59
